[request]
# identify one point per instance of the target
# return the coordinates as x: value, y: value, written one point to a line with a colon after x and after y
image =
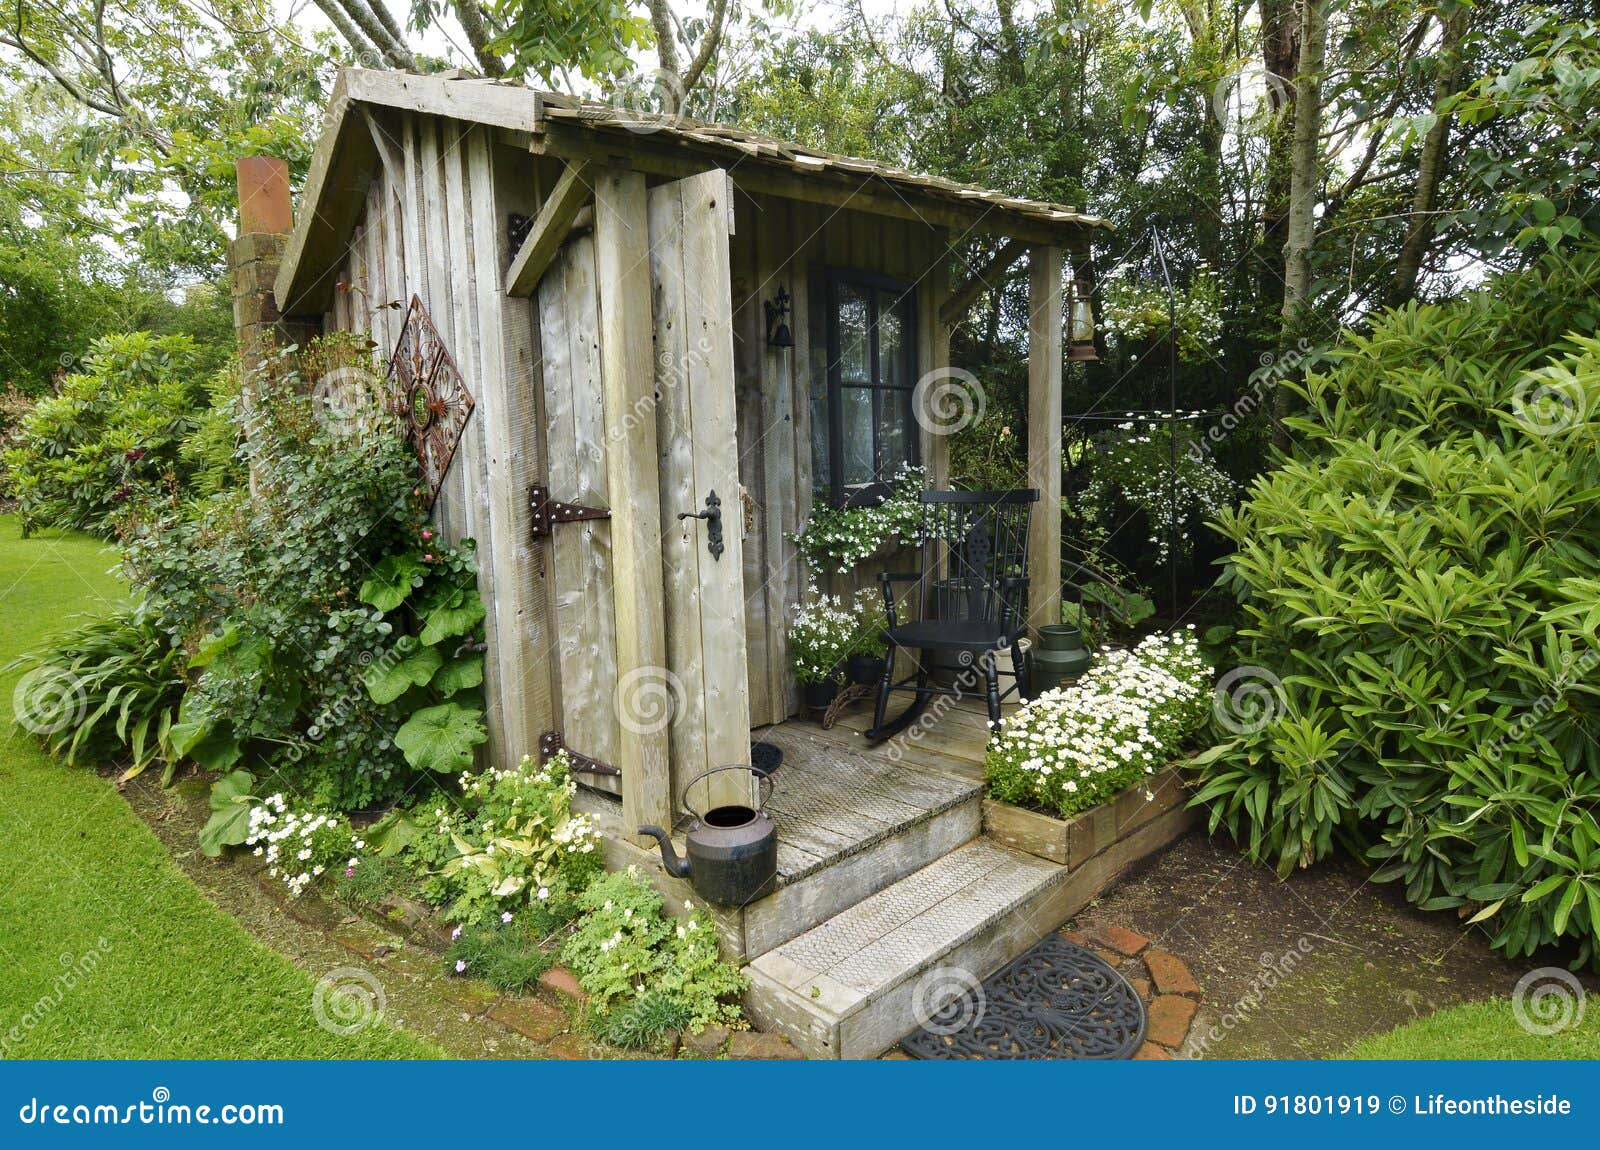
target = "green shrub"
x: 334, y: 640
x: 107, y: 689
x: 112, y: 437
x: 1421, y: 578
x: 1078, y: 746
x: 624, y: 948
x: 505, y: 954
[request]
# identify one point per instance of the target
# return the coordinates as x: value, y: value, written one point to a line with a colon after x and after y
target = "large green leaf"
x: 452, y: 612
x: 408, y: 665
x: 229, y: 824
x: 441, y: 738
x: 392, y: 581
x: 459, y: 674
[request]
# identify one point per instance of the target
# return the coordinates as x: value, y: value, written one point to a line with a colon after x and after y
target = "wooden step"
x: 849, y: 824
x: 851, y: 987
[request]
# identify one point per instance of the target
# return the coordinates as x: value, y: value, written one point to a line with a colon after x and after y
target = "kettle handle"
x: 764, y: 776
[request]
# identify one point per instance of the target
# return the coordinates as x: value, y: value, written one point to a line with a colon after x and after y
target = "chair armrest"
x: 886, y: 580
x: 899, y: 576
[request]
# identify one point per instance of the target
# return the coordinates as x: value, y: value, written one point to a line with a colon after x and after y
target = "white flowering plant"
x: 823, y: 633
x: 299, y: 847
x: 1076, y: 747
x: 517, y: 841
x: 625, y: 950
x: 1132, y: 470
x: 839, y: 538
x: 1137, y: 312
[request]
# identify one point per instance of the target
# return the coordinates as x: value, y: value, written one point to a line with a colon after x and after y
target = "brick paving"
x: 1171, y: 994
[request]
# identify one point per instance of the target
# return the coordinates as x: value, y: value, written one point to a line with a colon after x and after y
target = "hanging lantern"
x: 1080, y: 322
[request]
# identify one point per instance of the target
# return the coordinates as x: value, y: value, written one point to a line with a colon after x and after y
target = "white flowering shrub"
x: 300, y: 846
x: 1126, y: 718
x: 626, y: 953
x: 1132, y: 471
x: 823, y: 633
x: 516, y: 842
x: 839, y: 538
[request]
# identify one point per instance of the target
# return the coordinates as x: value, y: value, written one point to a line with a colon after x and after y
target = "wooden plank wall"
x: 790, y: 243
x: 434, y: 227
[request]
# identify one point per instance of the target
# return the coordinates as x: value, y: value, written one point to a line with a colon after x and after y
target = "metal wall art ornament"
x: 429, y: 396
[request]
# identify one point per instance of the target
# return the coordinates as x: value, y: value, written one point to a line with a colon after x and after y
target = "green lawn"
x: 106, y: 949
x: 1482, y: 1030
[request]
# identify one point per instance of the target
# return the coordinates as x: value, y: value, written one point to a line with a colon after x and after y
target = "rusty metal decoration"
x: 429, y: 395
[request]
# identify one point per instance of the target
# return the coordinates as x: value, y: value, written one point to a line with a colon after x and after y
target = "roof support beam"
x: 1044, y: 434
x: 990, y: 275
x: 572, y: 193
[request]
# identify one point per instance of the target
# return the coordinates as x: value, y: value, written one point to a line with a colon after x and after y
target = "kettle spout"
x: 677, y: 867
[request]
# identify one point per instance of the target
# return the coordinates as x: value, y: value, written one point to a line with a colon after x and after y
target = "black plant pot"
x: 867, y: 670
x: 818, y: 696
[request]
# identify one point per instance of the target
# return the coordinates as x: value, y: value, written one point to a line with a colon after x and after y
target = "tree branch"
x: 472, y: 23
x: 708, y: 46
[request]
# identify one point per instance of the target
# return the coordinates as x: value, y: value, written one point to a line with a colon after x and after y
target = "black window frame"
x: 870, y: 494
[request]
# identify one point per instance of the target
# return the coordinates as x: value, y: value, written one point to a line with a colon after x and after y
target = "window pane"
x: 891, y: 340
x: 855, y: 355
x: 895, y: 429
x: 857, y: 445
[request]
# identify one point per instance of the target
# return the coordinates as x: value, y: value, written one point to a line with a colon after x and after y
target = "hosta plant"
x: 1418, y: 594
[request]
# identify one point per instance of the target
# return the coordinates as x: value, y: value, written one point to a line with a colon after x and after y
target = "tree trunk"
x: 1280, y: 57
x: 1431, y: 164
x: 1305, y: 172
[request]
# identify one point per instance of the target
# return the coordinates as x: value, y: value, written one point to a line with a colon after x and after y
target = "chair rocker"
x: 970, y: 594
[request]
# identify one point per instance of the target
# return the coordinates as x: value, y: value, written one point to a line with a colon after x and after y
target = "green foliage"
x: 232, y: 801
x: 327, y: 692
x: 108, y: 688
x: 374, y: 878
x: 504, y: 954
x: 624, y: 948
x: 112, y: 437
x: 645, y: 1022
x: 1076, y: 747
x: 515, y: 844
x: 544, y: 38
x: 1420, y: 578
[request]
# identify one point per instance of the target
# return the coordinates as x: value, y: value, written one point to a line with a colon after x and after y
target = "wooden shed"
x: 600, y: 281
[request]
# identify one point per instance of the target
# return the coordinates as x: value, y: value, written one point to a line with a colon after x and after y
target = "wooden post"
x: 627, y: 374
x: 1044, y: 434
x: 933, y: 332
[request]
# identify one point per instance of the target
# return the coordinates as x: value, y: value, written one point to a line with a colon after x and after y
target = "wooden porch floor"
x: 949, y: 739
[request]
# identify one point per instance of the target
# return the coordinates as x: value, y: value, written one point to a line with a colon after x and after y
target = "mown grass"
x: 106, y: 949
x: 1484, y: 1030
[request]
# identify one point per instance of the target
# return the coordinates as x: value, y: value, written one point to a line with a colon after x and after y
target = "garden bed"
x: 1073, y: 842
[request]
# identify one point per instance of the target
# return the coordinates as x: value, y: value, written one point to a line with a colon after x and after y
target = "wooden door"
x: 697, y: 454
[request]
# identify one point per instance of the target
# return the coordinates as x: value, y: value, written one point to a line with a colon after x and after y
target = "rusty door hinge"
x: 547, y: 512
x: 550, y: 742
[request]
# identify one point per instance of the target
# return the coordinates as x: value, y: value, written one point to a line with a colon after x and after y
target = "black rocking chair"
x: 971, y: 592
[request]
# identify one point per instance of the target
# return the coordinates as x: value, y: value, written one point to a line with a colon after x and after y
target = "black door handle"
x: 713, y: 517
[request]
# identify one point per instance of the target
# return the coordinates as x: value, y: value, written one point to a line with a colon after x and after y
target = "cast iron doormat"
x: 1056, y: 1001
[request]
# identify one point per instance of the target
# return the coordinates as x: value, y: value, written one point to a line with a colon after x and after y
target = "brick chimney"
x: 265, y: 221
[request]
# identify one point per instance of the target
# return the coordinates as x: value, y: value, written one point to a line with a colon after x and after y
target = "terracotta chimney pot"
x: 264, y: 195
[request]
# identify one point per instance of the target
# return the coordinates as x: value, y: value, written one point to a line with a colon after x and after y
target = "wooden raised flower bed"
x: 1073, y: 842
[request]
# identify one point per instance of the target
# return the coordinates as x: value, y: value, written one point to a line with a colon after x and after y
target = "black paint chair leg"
x: 991, y: 674
x: 1019, y: 667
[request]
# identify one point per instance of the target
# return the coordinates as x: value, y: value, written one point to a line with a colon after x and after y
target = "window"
x: 862, y: 426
